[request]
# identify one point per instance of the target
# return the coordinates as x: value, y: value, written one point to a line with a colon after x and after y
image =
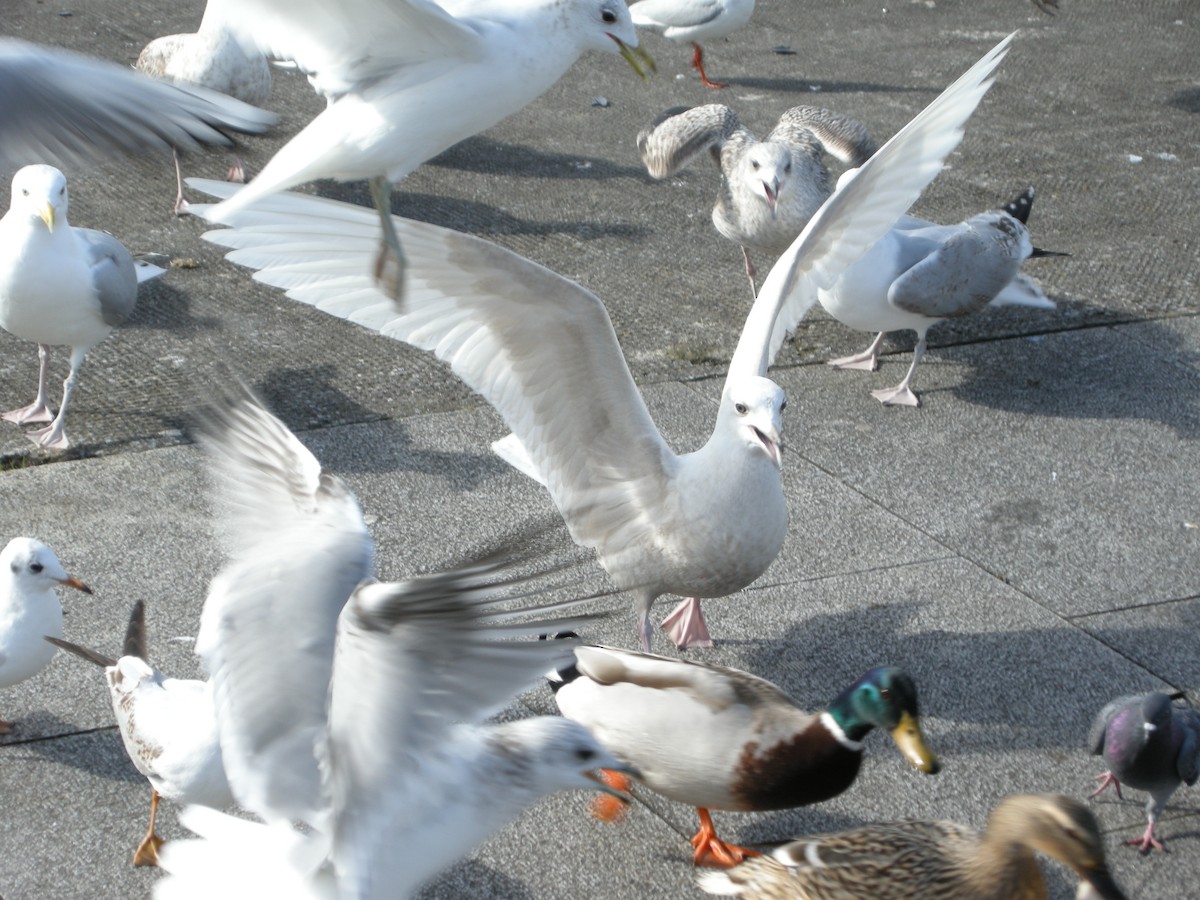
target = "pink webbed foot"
x: 685, y: 625
x: 34, y: 412
x: 1105, y: 779
x: 865, y: 362
x: 1147, y: 841
x: 53, y: 437
x: 237, y: 170
x: 900, y: 395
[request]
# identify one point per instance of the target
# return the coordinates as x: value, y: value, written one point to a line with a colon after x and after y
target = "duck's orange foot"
x: 713, y: 852
x: 606, y: 807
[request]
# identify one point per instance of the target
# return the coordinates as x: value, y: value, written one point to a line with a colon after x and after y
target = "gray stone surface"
x: 1026, y: 543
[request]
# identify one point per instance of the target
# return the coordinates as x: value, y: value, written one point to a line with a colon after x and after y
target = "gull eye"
x: 24, y: 192
x: 788, y: 168
x: 583, y: 754
x: 740, y: 408
x: 608, y: 16
x: 783, y: 406
x: 36, y: 568
x: 754, y: 164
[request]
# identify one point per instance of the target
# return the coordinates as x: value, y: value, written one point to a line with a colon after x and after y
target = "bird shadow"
x: 163, y: 307
x: 1187, y: 100
x: 811, y: 87
x: 306, y: 397
x: 472, y: 878
x: 489, y: 156
x: 100, y: 753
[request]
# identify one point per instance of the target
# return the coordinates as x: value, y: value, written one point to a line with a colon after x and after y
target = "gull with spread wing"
x: 349, y: 704
x: 541, y: 349
x: 408, y: 79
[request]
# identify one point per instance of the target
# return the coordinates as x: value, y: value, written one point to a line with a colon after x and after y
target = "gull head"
x: 40, y: 192
x: 754, y: 405
x: 30, y: 566
x: 765, y: 170
x: 609, y: 27
x: 562, y: 755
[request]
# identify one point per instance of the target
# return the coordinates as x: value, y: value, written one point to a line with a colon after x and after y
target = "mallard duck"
x: 1149, y: 744
x: 922, y: 860
x: 719, y: 738
x: 29, y: 608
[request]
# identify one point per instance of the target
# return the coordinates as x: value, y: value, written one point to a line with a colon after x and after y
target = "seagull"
x: 59, y: 285
x: 1150, y: 744
x: 541, y: 349
x: 65, y: 108
x: 29, y: 609
x: 769, y: 188
x: 168, y: 726
x: 407, y: 79
x: 349, y: 704
x: 921, y: 274
x: 214, y: 58
x: 693, y: 21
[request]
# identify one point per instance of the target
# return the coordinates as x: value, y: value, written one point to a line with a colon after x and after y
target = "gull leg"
x: 606, y: 807
x: 181, y: 205
x: 750, y: 273
x: 1147, y: 841
x: 901, y: 394
x: 645, y: 630
x: 868, y: 360
x: 147, y: 852
x: 37, y: 411
x: 237, y: 169
x: 391, y: 263
x: 711, y: 850
x: 1105, y: 780
x: 698, y: 65
x: 54, y: 435
x: 685, y: 625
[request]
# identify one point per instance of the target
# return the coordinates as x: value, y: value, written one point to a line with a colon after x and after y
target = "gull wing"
x: 269, y: 623
x: 62, y: 107
x: 867, y: 203
x: 538, y: 347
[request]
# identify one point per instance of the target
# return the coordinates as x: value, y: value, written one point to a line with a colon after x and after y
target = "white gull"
x: 692, y: 21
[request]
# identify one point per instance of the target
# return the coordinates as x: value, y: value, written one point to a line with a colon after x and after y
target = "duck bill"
x: 72, y: 582
x: 46, y: 214
x: 1102, y: 884
x: 911, y: 742
x: 640, y: 61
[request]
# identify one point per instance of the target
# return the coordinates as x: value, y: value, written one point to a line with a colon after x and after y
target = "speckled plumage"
x: 1149, y: 744
x: 926, y: 860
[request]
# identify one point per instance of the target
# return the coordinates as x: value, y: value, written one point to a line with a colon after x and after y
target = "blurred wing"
x: 345, y: 43
x: 537, y: 346
x: 61, y: 107
x: 417, y: 657
x: 866, y: 204
x: 678, y: 134
x: 268, y: 626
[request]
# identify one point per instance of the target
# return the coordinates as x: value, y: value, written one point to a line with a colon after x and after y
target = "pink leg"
x: 37, y: 411
x: 237, y: 169
x: 868, y: 360
x: 1147, y: 840
x: 901, y: 394
x: 54, y: 435
x: 181, y: 205
x: 1105, y: 780
x: 750, y: 273
x: 685, y: 625
x: 698, y: 65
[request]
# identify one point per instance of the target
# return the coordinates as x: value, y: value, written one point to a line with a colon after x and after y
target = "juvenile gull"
x: 65, y: 108
x: 693, y: 21
x: 408, y: 79
x: 770, y: 188
x: 168, y: 726
x: 542, y: 351
x: 349, y: 704
x: 59, y: 285
x: 920, y: 274
x: 29, y: 609
x: 1150, y: 744
x: 213, y: 58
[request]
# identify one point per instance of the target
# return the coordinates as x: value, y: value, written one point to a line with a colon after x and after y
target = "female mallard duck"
x: 720, y: 738
x: 931, y: 860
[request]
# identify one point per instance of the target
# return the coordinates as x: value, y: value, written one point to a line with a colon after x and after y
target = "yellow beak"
x: 911, y: 742
x: 641, y: 61
x: 46, y: 213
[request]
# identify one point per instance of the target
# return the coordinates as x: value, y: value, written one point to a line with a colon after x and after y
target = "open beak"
x: 603, y: 784
x: 71, y: 580
x: 772, y: 444
x: 911, y: 742
x: 772, y: 194
x: 641, y: 61
x: 1102, y: 883
x: 46, y: 214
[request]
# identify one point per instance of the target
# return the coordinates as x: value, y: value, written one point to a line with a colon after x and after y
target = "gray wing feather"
x: 672, y: 14
x: 1188, y: 764
x: 65, y: 108
x: 959, y: 278
x: 678, y: 135
x: 845, y: 138
x: 113, y: 274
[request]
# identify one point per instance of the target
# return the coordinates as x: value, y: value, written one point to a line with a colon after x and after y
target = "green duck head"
x: 885, y: 697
